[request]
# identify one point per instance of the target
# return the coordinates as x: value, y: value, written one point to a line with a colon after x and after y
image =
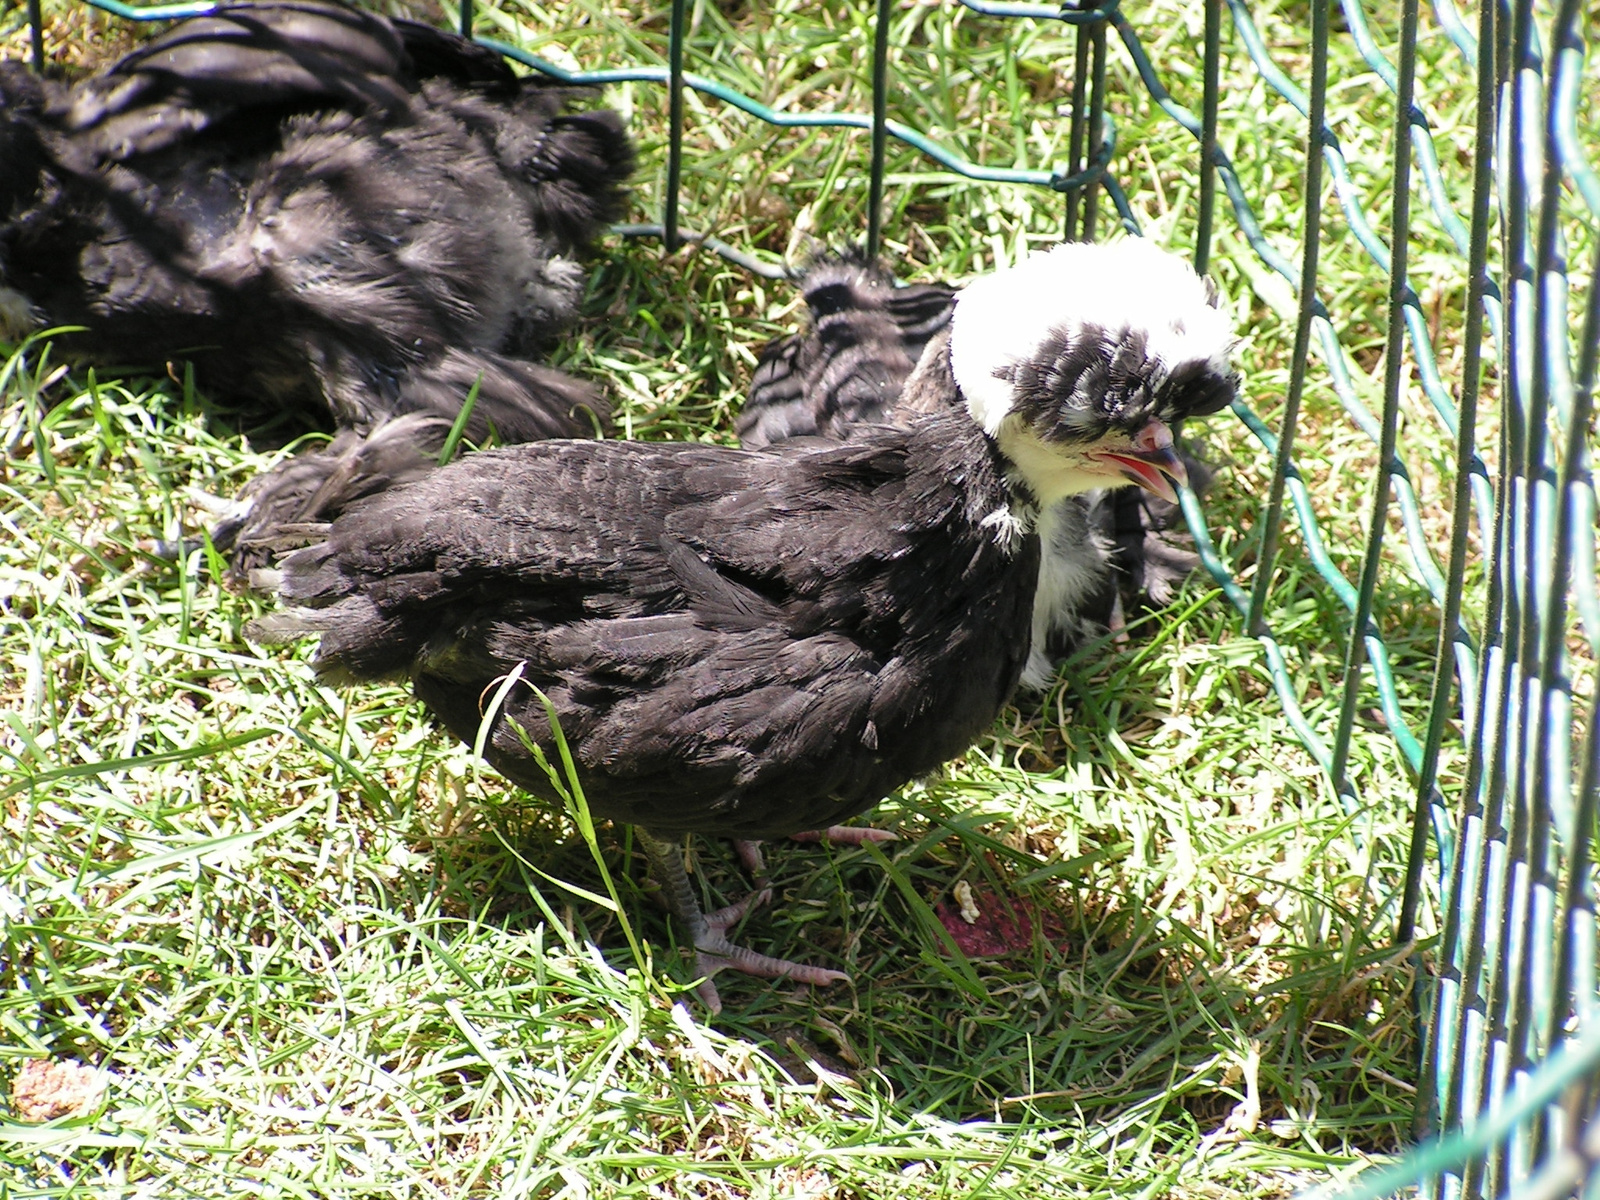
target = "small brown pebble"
x: 45, y: 1089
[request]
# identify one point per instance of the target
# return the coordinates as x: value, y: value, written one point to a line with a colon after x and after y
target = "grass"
x: 313, y: 950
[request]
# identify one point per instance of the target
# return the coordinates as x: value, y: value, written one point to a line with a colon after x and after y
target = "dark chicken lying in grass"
x: 317, y: 206
x: 759, y: 643
x: 1103, y: 551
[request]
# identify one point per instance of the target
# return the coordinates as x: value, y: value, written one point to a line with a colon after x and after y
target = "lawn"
x: 310, y: 948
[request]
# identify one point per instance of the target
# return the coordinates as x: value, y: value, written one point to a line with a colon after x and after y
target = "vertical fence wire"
x: 880, y: 126
x: 1545, y: 611
x: 1077, y: 134
x: 36, y: 35
x: 1400, y: 297
x: 1466, y: 860
x: 1272, y: 517
x: 669, y: 216
x: 1574, y: 988
x: 1088, y: 141
x: 1518, y: 957
x: 1561, y: 829
x: 1564, y: 1002
x: 1515, y: 564
x: 1454, y: 650
x: 1206, y: 215
x: 1480, y: 880
x: 1096, y: 35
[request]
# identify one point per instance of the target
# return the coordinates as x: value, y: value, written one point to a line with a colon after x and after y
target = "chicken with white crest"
x: 1133, y: 334
x: 754, y: 643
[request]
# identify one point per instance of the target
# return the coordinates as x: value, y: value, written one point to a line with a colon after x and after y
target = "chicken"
x: 318, y: 207
x: 757, y: 643
x: 1105, y: 551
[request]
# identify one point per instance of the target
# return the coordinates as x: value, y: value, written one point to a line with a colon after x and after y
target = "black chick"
x: 1104, y: 551
x: 754, y: 643
x: 847, y: 369
x: 317, y: 206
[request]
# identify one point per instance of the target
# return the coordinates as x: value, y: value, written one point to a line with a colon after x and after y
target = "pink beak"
x: 1151, y: 462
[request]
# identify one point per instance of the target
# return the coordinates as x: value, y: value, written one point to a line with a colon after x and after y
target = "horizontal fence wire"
x: 1511, y: 1058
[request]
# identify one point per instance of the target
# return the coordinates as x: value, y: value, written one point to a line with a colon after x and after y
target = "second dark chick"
x: 320, y: 208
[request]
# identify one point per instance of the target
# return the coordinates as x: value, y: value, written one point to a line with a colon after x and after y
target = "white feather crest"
x: 1003, y: 317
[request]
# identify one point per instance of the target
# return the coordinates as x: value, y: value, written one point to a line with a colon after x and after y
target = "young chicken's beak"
x: 1151, y: 462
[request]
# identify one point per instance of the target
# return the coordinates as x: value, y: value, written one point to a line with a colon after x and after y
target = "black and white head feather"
x: 1108, y: 349
x: 1104, y: 347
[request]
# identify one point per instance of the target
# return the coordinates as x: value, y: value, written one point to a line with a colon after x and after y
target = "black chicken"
x: 1104, y: 551
x: 316, y: 206
x: 758, y: 643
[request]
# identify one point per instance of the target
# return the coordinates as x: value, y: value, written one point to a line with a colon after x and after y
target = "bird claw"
x: 714, y: 952
x: 846, y: 835
x: 726, y: 918
x: 749, y: 852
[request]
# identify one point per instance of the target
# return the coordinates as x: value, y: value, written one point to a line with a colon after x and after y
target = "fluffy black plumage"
x: 745, y: 643
x: 1107, y: 551
x: 291, y: 505
x: 734, y: 641
x: 317, y: 206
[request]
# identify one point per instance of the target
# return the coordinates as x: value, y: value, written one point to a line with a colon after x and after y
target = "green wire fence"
x: 1511, y: 1060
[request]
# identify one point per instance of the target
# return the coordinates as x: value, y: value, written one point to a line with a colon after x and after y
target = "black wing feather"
x: 737, y: 642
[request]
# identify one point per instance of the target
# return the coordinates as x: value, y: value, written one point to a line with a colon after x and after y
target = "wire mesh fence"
x: 1492, y: 325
